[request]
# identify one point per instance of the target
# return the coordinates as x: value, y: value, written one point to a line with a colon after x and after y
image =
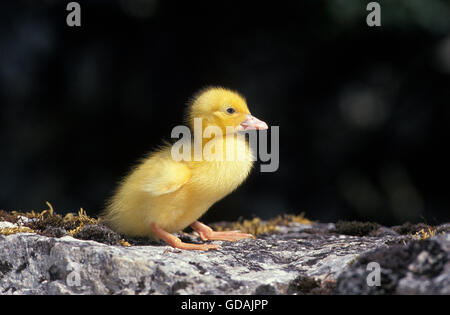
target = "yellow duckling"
x: 163, y: 195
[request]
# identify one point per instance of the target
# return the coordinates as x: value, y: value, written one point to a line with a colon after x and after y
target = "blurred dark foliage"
x: 363, y: 112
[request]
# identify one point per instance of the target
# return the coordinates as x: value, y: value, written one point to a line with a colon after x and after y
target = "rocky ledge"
x: 294, y: 259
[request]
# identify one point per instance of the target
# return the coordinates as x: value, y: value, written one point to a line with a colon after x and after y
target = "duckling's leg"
x: 206, y: 233
x: 175, y: 242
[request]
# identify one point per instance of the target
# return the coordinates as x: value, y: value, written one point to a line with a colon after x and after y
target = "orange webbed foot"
x: 175, y: 242
x: 206, y: 233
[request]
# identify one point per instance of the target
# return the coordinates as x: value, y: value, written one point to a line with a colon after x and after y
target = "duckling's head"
x: 223, y: 108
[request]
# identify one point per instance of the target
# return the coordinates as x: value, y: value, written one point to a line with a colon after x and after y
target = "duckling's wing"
x: 164, y: 175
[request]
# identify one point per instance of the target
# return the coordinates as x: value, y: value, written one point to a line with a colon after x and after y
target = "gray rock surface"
x: 271, y: 264
x: 420, y: 267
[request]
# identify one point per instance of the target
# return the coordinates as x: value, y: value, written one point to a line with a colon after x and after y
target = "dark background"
x: 363, y: 112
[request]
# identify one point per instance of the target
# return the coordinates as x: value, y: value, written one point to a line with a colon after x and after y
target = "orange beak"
x: 253, y: 123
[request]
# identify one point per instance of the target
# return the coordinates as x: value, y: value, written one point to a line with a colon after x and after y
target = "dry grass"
x: 257, y: 226
x: 424, y: 234
x: 40, y: 221
x: 14, y: 230
x: 124, y: 243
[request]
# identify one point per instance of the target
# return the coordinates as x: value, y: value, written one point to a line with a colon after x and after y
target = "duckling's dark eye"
x: 230, y: 110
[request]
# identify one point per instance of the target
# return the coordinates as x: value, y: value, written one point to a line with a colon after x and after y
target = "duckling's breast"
x: 211, y: 181
x: 217, y: 177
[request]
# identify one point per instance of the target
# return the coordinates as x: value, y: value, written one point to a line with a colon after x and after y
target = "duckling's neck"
x: 230, y: 148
